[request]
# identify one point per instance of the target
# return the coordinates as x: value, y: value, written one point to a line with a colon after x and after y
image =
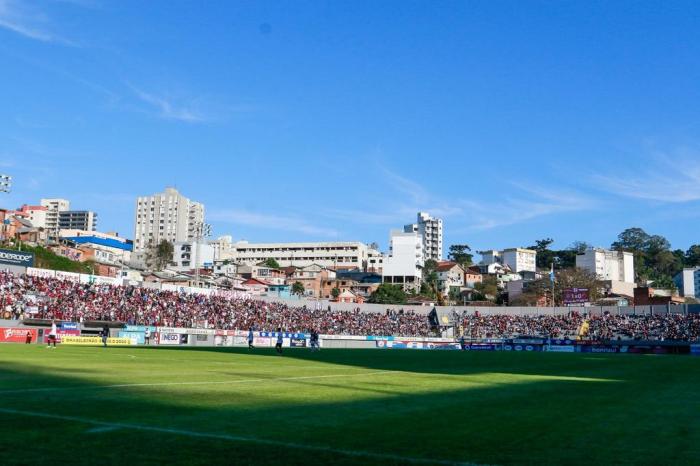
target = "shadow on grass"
x: 646, y: 416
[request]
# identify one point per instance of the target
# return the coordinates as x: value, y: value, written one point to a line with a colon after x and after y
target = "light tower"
x: 5, y: 183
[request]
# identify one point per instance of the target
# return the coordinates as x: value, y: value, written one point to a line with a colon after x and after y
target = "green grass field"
x: 88, y: 405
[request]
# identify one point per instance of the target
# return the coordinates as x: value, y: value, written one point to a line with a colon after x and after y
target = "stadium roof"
x: 112, y: 243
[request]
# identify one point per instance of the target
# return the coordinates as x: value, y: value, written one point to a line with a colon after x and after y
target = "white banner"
x: 71, y: 276
x: 41, y: 272
x: 169, y: 339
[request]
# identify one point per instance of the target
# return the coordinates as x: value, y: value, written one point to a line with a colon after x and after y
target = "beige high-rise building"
x: 166, y: 216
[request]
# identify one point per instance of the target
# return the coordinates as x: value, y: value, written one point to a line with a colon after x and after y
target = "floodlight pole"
x: 203, y: 231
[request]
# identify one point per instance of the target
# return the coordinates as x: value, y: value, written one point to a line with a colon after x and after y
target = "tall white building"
x: 404, y: 264
x: 608, y: 265
x: 53, y: 208
x: 688, y: 282
x: 166, y: 216
x: 430, y: 230
x: 344, y: 255
x: 517, y: 259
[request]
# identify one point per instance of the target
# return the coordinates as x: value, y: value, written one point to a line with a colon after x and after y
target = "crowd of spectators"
x: 476, y: 326
x: 671, y: 327
x: 50, y: 298
x: 23, y: 296
x: 651, y: 327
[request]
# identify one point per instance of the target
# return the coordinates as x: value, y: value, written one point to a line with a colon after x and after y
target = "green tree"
x: 455, y: 295
x: 271, y: 263
x: 159, y: 255
x: 387, y: 293
x: 663, y: 282
x: 653, y: 258
x: 461, y: 254
x: 568, y: 278
x: 430, y: 275
x: 487, y: 289
x: 298, y: 288
x: 335, y: 292
x: 545, y: 256
x: 692, y: 256
x: 579, y: 247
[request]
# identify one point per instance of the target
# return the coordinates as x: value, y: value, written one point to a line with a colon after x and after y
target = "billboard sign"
x: 169, y: 339
x: 17, y: 335
x: 19, y: 258
x: 575, y: 295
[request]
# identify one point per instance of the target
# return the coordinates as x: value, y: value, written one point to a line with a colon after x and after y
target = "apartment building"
x: 53, y: 207
x: 166, y: 216
x: 616, y: 266
x: 340, y: 255
x: 84, y: 220
x: 517, y: 259
x: 430, y: 230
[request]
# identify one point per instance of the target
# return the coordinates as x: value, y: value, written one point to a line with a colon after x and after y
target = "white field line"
x: 167, y: 384
x: 236, y: 438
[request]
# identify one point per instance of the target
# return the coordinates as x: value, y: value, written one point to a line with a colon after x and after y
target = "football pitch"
x: 129, y: 405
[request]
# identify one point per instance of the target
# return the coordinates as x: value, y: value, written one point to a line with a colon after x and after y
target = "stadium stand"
x: 51, y: 298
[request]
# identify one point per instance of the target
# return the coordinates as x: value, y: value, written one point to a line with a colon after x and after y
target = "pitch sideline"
x: 236, y: 438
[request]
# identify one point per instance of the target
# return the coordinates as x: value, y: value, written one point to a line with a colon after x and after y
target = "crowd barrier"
x: 71, y: 333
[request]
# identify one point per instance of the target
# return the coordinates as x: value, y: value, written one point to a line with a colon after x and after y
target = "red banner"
x: 17, y: 335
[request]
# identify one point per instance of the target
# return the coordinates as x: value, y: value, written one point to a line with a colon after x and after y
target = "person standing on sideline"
x: 278, y: 346
x: 52, y: 334
x: 105, y: 334
x: 250, y: 338
x: 28, y: 340
x: 314, y: 341
x: 147, y: 336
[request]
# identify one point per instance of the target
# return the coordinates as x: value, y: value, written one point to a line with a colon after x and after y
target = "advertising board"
x: 575, y: 295
x: 137, y: 338
x: 522, y: 347
x: 70, y: 276
x: 16, y: 334
x: 600, y: 349
x: 262, y: 342
x: 19, y: 258
x: 297, y: 342
x: 561, y: 348
x: 168, y: 338
x: 482, y: 347
x: 84, y: 340
x: 61, y: 333
x: 44, y: 273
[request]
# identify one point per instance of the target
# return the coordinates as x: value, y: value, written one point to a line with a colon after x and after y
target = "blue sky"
x: 340, y: 120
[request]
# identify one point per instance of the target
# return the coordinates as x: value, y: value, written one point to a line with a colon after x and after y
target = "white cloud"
x: 167, y: 109
x: 28, y: 22
x: 463, y: 215
x: 276, y: 222
x: 667, y: 179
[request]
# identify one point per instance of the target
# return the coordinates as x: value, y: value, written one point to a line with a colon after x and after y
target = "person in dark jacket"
x: 104, y: 333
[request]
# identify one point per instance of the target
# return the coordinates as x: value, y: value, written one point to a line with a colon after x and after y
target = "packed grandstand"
x: 23, y: 296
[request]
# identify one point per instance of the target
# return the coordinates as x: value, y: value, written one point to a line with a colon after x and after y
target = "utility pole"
x: 203, y: 231
x: 5, y: 185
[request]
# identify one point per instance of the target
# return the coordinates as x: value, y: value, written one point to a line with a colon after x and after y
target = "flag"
x: 551, y: 274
